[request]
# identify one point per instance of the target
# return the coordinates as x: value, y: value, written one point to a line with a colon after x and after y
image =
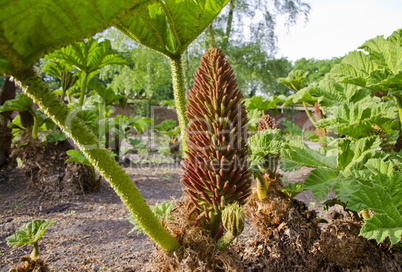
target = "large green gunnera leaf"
x: 337, y: 169
x: 88, y: 56
x: 380, y: 70
x: 301, y: 154
x: 384, y: 173
x: 383, y: 195
x: 20, y: 103
x: 387, y: 53
x: 295, y: 80
x: 263, y: 104
x: 301, y: 96
x: 320, y: 181
x: 169, y: 26
x: 31, y: 28
x: 330, y: 93
x: 354, y: 154
x: 362, y: 118
x: 355, y: 68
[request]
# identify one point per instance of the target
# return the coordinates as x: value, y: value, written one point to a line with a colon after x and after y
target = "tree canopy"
x: 245, y: 30
x: 317, y: 68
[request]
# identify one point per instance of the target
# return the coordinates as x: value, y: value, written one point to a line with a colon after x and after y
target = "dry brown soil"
x: 91, y: 231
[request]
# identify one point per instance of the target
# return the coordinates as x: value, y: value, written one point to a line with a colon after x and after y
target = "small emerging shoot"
x: 262, y: 189
x: 233, y: 220
x: 29, y: 234
x: 292, y: 190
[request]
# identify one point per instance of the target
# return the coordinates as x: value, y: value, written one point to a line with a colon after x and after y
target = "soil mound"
x: 47, y: 172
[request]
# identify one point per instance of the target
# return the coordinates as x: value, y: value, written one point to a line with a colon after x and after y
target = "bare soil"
x: 91, y: 231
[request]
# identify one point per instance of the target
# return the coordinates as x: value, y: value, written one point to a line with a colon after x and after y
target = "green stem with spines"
x: 399, y: 103
x: 99, y: 157
x: 35, y: 127
x: 179, y: 96
x: 225, y: 241
x: 83, y: 89
x: 308, y: 114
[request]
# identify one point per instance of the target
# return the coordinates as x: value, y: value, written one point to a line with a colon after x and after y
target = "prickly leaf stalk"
x: 215, y: 169
x: 233, y: 219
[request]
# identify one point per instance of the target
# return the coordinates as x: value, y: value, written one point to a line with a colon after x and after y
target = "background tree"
x: 245, y: 30
x: 317, y: 68
x: 254, y: 20
x: 256, y: 71
x: 148, y: 73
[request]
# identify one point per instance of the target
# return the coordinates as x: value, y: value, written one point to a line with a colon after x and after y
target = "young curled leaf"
x: 29, y: 233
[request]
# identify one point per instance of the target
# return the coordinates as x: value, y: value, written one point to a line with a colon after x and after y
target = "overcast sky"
x: 336, y: 27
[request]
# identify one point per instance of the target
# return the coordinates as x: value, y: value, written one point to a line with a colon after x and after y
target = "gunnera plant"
x: 216, y: 173
x: 265, y: 147
x: 268, y: 205
x: 267, y: 123
x: 30, y: 234
x: 215, y: 168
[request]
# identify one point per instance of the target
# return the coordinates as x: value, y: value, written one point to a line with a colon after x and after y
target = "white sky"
x: 336, y: 27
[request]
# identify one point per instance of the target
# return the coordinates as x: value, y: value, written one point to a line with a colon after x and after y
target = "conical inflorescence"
x: 267, y: 122
x: 216, y: 172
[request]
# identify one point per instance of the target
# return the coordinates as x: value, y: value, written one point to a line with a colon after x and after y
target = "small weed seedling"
x: 167, y: 178
x: 17, y: 205
x: 20, y: 164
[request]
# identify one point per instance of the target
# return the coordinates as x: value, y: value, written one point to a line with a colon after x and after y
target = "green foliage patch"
x: 162, y: 211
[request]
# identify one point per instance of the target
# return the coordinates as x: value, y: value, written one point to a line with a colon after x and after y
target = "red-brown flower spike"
x: 267, y: 122
x: 215, y: 170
